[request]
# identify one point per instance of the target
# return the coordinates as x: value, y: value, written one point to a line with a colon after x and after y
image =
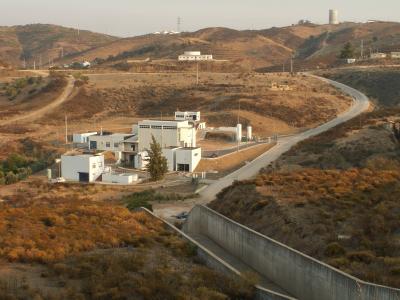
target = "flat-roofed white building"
x: 378, y: 55
x: 395, y: 55
x: 166, y: 133
x: 108, y: 142
x: 185, y: 159
x: 82, y: 138
x: 82, y: 167
x: 187, y: 115
x: 194, y: 56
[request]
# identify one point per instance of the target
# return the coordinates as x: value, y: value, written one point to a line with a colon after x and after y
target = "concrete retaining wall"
x: 214, y: 262
x: 297, y: 273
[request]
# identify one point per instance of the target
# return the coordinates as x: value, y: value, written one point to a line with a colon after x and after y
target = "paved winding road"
x: 360, y: 105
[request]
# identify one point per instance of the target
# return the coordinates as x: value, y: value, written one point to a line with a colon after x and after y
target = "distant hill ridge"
x: 310, y: 43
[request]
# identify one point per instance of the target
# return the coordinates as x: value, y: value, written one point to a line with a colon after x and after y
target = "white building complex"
x: 176, y: 137
x: 194, y: 56
x: 82, y: 168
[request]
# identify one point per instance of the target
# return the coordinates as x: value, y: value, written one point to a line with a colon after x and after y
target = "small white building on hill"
x: 194, y: 56
x: 184, y: 159
x: 82, y: 167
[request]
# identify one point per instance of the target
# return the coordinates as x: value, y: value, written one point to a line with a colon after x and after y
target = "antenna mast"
x: 178, y: 25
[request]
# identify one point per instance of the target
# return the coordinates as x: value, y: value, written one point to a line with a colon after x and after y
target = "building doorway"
x: 83, y: 177
x: 183, y: 167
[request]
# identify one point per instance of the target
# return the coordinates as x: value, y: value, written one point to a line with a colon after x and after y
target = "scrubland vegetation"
x: 142, y: 199
x: 31, y: 158
x: 348, y: 219
x: 94, y: 250
x: 333, y: 196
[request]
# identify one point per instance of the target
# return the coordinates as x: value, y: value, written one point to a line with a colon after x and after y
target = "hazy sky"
x: 133, y: 17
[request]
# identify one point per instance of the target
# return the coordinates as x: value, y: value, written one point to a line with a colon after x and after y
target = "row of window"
x: 157, y: 127
x: 94, y: 165
x: 108, y: 145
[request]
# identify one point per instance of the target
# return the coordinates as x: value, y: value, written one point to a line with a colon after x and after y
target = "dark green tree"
x: 157, y: 166
x: 347, y: 51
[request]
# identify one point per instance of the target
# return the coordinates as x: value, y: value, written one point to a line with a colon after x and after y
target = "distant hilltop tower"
x: 333, y: 16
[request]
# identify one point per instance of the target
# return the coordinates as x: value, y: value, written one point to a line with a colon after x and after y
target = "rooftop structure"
x: 187, y: 115
x: 166, y: 133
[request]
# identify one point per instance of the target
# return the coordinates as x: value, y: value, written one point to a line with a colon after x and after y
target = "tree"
x: 157, y: 166
x: 347, y: 51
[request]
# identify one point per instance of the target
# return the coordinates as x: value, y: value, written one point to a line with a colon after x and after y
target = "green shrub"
x: 334, y: 249
x: 361, y: 256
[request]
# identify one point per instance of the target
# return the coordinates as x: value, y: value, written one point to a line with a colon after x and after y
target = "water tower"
x: 333, y: 16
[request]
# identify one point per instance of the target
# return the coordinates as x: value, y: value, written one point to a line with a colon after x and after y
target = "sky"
x: 131, y: 17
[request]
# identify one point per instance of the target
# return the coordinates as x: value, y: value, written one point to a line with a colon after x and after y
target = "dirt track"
x: 33, y: 115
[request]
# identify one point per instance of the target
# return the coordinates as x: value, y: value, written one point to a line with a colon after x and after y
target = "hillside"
x: 59, y: 243
x: 377, y: 83
x: 218, y: 97
x: 310, y: 43
x: 43, y: 42
x: 334, y: 196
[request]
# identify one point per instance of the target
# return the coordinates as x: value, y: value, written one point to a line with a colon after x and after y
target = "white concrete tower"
x: 333, y: 17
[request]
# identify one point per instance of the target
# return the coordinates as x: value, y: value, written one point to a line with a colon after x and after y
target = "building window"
x: 156, y: 127
x: 116, y: 145
x: 108, y: 144
x: 144, y: 126
x: 93, y: 166
x: 100, y: 164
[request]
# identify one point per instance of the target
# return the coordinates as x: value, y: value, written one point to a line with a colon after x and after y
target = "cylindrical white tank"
x: 249, y: 133
x: 49, y: 174
x: 333, y: 16
x: 239, y: 132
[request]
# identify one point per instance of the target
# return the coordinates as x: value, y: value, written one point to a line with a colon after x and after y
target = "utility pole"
x: 238, y: 122
x: 40, y: 61
x: 24, y: 63
x: 197, y: 76
x: 283, y: 68
x: 362, y: 49
x: 291, y: 65
x: 66, y: 129
x: 34, y: 64
x: 62, y: 52
x: 178, y: 25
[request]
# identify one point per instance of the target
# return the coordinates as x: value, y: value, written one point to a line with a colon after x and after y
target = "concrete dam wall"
x: 296, y: 273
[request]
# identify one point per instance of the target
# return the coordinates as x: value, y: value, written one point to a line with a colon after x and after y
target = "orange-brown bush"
x: 51, y: 232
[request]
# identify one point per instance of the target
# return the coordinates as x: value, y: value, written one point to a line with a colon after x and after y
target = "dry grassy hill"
x: 29, y: 42
x: 312, y: 44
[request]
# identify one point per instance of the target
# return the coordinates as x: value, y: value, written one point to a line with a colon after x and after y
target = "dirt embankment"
x: 218, y: 97
x: 334, y: 197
